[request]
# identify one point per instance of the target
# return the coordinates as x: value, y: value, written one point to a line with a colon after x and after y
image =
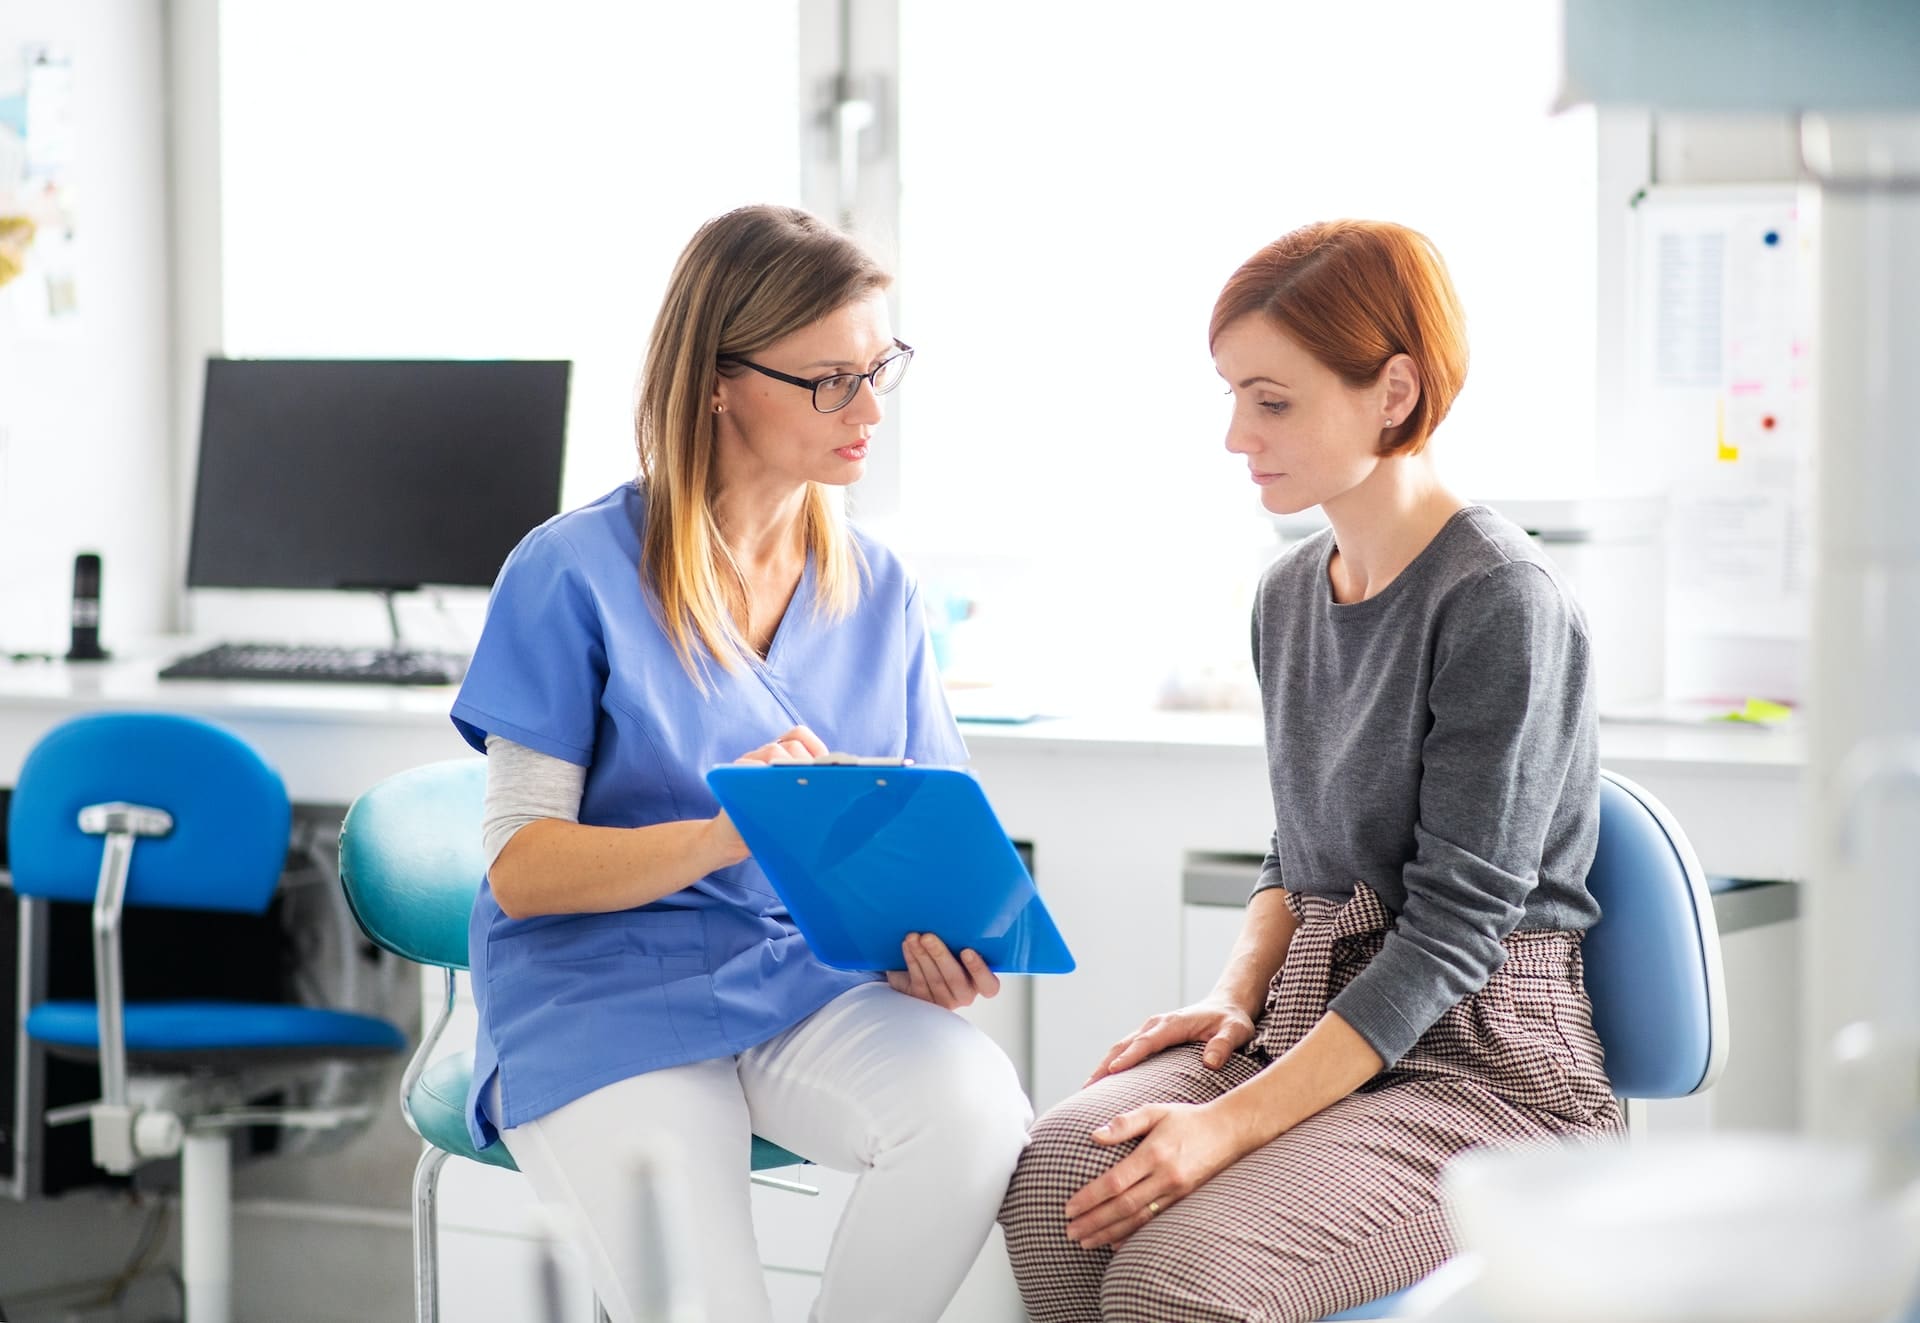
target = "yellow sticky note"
x: 1725, y: 453
x: 1758, y: 712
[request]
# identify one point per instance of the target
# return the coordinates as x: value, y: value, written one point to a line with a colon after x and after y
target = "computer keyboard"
x: 324, y: 665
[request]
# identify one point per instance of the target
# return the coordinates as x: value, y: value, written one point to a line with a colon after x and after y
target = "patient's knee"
x: 1059, y: 1158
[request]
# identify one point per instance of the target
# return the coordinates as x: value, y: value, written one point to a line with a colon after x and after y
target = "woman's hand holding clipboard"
x: 873, y: 857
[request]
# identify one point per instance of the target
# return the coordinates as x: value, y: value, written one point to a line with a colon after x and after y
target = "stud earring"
x: 719, y: 408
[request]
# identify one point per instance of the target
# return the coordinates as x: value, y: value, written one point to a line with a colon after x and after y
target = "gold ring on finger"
x: 1153, y: 1207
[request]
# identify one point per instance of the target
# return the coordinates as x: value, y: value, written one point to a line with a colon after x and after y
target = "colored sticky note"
x: 1758, y: 712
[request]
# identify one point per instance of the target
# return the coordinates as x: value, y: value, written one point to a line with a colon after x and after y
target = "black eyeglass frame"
x: 904, y: 349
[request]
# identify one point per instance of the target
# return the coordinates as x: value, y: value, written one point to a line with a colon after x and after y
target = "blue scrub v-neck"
x: 572, y: 662
x: 768, y: 667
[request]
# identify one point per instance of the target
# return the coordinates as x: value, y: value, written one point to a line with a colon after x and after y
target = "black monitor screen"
x: 328, y: 473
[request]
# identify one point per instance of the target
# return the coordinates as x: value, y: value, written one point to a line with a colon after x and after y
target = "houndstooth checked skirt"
x: 1344, y: 1207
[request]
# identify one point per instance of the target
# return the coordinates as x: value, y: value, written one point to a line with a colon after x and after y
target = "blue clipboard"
x: 864, y: 855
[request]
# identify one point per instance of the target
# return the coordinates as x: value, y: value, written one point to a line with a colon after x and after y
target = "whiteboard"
x: 1723, y: 391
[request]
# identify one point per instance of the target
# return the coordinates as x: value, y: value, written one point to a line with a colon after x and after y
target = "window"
x: 1076, y: 187
x: 453, y: 179
x: 1075, y: 184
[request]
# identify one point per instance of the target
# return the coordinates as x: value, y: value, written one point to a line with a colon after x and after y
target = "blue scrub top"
x: 572, y: 662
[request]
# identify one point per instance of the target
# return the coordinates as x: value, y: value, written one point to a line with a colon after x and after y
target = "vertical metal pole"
x: 109, y: 996
x: 206, y: 1226
x: 29, y: 1058
x: 426, y: 1233
x: 849, y: 55
x: 1863, y: 907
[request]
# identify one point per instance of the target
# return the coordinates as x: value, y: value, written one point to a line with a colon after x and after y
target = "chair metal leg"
x: 426, y: 1235
x: 1636, y: 1109
x: 206, y: 1226
x: 426, y: 1242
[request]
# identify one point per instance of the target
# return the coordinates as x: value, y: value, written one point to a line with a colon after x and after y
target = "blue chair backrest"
x: 231, y: 818
x: 411, y: 862
x: 1653, y: 961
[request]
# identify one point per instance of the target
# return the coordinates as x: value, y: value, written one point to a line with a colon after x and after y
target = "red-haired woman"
x: 1407, y: 983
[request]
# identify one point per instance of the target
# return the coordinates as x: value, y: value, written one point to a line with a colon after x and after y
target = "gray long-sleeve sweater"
x: 1436, y: 741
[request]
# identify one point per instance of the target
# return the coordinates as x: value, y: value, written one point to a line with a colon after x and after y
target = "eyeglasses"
x: 834, y: 393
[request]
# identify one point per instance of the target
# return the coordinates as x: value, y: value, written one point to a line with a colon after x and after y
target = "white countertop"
x: 1716, y: 745
x: 130, y: 683
x: 133, y: 683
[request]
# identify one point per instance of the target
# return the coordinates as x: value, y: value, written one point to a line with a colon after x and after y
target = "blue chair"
x: 411, y: 863
x: 1653, y: 973
x: 139, y: 809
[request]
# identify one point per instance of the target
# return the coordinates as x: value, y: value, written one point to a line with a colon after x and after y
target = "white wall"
x: 85, y: 465
x: 85, y: 410
x: 193, y: 196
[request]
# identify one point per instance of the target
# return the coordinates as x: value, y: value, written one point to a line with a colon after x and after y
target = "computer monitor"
x: 341, y: 474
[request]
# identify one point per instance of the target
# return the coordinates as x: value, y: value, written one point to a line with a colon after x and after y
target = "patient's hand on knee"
x: 1221, y: 1025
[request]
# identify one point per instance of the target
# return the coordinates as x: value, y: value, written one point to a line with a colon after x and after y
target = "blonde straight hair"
x: 748, y: 278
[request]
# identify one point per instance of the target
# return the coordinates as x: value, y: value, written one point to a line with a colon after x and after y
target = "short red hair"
x: 1353, y: 294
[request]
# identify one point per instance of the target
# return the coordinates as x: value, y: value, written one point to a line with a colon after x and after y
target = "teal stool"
x: 410, y: 861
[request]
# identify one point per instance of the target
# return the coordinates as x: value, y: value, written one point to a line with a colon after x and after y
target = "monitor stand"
x: 399, y: 647
x: 386, y: 592
x: 393, y: 617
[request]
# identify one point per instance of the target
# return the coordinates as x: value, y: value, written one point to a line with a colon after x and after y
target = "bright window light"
x: 1079, y: 181
x: 486, y: 180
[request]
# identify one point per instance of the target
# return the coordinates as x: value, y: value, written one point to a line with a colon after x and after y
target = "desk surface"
x: 330, y: 741
x: 1707, y: 745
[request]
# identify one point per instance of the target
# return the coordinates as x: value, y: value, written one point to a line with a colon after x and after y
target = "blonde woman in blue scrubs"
x: 634, y: 972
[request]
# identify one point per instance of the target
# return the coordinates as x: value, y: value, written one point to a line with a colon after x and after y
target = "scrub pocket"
x: 577, y: 998
x: 686, y: 973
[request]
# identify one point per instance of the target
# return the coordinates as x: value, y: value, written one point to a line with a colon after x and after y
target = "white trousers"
x: 926, y: 1108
